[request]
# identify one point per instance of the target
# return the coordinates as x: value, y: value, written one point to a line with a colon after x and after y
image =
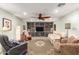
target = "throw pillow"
x: 71, y: 39
x: 64, y: 41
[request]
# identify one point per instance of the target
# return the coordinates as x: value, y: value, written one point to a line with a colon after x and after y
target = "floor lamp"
x: 67, y: 26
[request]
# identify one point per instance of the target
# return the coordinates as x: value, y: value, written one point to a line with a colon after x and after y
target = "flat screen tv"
x: 39, y: 29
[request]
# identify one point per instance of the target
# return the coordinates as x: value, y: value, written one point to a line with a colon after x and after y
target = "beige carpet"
x: 39, y: 47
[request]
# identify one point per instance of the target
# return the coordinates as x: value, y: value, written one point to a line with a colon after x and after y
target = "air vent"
x: 61, y: 4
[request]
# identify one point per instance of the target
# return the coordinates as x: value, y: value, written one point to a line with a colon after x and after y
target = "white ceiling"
x: 32, y: 9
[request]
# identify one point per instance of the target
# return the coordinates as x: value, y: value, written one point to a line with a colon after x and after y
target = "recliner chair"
x: 18, y: 50
x: 7, y: 45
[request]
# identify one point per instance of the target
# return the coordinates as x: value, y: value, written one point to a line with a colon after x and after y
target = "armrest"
x: 18, y: 50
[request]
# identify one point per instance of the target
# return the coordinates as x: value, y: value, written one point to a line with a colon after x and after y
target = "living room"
x: 40, y: 28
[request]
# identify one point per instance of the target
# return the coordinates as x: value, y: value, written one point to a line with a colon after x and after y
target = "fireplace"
x: 39, y: 29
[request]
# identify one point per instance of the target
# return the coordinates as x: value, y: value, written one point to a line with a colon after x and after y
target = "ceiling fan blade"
x: 46, y: 17
x: 34, y: 17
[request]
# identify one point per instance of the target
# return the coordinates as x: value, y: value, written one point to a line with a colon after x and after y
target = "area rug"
x: 39, y: 47
x: 40, y: 43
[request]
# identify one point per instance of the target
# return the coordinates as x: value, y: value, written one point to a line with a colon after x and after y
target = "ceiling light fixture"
x: 24, y: 13
x: 56, y: 11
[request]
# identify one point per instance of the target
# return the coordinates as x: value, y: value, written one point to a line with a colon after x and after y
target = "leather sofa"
x: 67, y: 46
x: 53, y: 37
x: 63, y: 45
x: 69, y: 49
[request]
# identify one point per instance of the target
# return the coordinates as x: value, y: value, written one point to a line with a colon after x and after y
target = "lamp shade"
x: 67, y: 26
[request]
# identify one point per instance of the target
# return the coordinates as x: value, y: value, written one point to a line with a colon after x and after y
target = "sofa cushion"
x: 76, y: 41
x: 56, y: 45
x: 71, y: 39
x: 64, y: 41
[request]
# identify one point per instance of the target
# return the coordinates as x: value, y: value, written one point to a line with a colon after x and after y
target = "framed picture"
x: 7, y: 24
x: 54, y: 27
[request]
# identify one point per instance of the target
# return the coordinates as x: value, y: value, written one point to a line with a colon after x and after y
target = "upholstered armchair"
x: 6, y: 44
x: 18, y: 50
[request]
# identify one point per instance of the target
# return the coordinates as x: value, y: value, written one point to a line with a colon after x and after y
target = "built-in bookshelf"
x: 39, y: 28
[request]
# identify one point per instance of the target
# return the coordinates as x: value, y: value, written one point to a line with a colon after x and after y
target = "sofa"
x: 67, y: 46
x: 63, y: 45
x: 53, y: 37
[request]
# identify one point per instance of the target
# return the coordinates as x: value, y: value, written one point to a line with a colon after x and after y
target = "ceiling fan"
x: 41, y: 17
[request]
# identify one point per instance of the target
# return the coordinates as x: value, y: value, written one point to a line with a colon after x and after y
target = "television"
x: 39, y: 29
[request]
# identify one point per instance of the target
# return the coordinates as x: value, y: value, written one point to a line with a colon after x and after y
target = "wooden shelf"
x: 32, y: 27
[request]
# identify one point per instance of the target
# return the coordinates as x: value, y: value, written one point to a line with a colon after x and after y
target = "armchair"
x: 6, y: 44
x: 18, y: 50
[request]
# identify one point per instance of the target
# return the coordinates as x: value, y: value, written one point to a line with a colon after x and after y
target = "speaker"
x: 54, y: 27
x: 67, y: 26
